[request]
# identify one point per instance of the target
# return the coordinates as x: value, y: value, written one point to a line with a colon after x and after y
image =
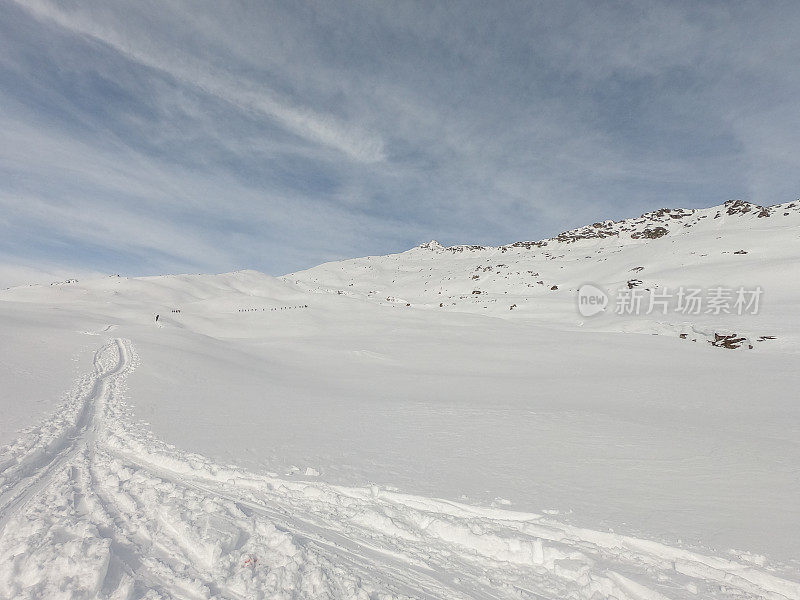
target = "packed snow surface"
x: 374, y: 428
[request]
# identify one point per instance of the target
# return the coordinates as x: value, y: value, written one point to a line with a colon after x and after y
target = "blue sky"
x: 168, y: 136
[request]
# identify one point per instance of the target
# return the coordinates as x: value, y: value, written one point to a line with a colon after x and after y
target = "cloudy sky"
x: 167, y: 136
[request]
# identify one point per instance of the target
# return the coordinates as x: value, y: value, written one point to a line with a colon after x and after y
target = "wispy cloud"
x: 248, y: 95
x: 168, y: 136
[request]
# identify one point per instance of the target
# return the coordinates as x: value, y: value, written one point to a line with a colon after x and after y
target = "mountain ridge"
x: 649, y: 225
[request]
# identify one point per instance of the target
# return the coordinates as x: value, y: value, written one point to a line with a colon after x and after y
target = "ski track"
x: 93, y: 505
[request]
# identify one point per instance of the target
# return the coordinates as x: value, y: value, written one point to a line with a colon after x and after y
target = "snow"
x: 314, y: 436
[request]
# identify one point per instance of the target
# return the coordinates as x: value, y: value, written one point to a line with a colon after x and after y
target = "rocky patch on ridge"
x: 649, y: 226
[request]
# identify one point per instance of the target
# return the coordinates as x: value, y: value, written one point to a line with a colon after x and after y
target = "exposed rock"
x: 731, y: 341
x: 650, y: 234
x: 652, y: 225
x: 737, y: 207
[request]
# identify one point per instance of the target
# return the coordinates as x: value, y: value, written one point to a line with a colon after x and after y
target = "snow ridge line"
x: 106, y: 509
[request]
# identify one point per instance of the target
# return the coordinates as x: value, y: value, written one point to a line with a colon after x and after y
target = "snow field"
x: 589, y: 463
x: 130, y: 516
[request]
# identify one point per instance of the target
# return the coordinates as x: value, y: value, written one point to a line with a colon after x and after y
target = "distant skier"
x: 156, y: 318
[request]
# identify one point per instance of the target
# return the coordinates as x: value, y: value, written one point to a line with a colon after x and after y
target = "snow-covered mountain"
x: 734, y: 245
x: 439, y: 423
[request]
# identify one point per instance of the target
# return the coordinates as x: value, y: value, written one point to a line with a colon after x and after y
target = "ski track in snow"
x: 93, y: 505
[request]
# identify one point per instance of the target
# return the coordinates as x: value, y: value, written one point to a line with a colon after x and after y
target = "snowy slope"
x: 735, y: 244
x: 336, y: 433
